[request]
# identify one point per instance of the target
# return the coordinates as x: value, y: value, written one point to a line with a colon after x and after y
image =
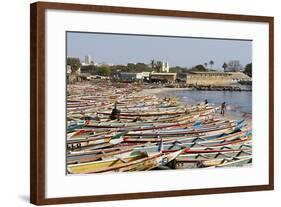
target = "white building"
x: 68, y: 69
x: 145, y: 75
x: 87, y: 60
x: 165, y: 67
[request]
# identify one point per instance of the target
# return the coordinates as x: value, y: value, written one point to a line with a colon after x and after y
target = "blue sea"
x: 238, y: 103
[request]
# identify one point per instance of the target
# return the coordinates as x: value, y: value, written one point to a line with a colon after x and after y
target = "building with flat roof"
x: 163, y: 77
x: 87, y: 60
x: 126, y: 76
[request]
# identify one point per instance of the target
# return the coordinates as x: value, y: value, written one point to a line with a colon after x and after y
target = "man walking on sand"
x: 223, y: 108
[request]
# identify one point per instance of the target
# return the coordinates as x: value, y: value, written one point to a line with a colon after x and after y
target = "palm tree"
x: 152, y: 62
x: 211, y: 63
x: 206, y: 65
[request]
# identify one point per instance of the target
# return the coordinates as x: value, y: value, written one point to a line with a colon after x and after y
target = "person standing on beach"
x: 206, y: 101
x: 223, y: 107
x: 115, y: 113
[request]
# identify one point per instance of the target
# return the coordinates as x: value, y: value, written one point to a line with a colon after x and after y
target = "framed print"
x: 130, y: 103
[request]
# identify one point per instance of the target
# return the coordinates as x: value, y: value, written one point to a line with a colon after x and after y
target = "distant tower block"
x: 165, y: 67
x: 87, y: 59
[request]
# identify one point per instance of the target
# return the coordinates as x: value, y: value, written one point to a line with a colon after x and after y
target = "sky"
x: 177, y: 51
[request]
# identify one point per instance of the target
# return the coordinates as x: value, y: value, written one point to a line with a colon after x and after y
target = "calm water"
x: 238, y: 103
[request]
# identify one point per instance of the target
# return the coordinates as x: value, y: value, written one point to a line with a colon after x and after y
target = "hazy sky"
x: 185, y: 52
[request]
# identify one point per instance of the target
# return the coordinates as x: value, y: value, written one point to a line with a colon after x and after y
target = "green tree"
x: 118, y: 68
x: 200, y: 68
x: 211, y: 63
x: 248, y: 69
x: 103, y: 70
x: 131, y: 67
x: 74, y: 63
x: 88, y: 69
x: 141, y: 67
x: 178, y: 69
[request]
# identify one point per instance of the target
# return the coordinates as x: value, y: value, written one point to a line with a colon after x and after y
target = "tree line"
x: 106, y: 70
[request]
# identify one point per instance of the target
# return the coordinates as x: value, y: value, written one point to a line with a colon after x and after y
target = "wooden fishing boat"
x: 136, y: 163
x: 149, y: 132
x: 147, y: 122
x: 101, y: 156
x: 203, y: 144
x: 96, y: 149
x: 194, y: 160
x: 221, y: 148
x: 78, y: 143
x: 84, y: 132
x: 187, y: 121
x: 131, y: 152
x: 184, y: 131
x: 202, y: 150
x: 71, y: 126
x: 157, y: 113
x: 185, y: 139
x: 236, y: 162
x: 150, y: 127
x: 118, y: 138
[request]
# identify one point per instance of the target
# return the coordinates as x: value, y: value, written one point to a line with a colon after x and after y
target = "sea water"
x: 238, y: 103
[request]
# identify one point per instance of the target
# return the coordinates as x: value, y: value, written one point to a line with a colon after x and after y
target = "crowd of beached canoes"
x: 111, y: 127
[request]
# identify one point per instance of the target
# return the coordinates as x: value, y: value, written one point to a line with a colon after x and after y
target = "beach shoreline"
x: 162, y: 92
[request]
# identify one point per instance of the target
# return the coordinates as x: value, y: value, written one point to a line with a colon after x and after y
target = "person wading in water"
x: 115, y: 113
x: 223, y: 107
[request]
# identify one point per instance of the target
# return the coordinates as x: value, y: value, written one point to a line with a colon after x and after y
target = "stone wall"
x: 216, y: 79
